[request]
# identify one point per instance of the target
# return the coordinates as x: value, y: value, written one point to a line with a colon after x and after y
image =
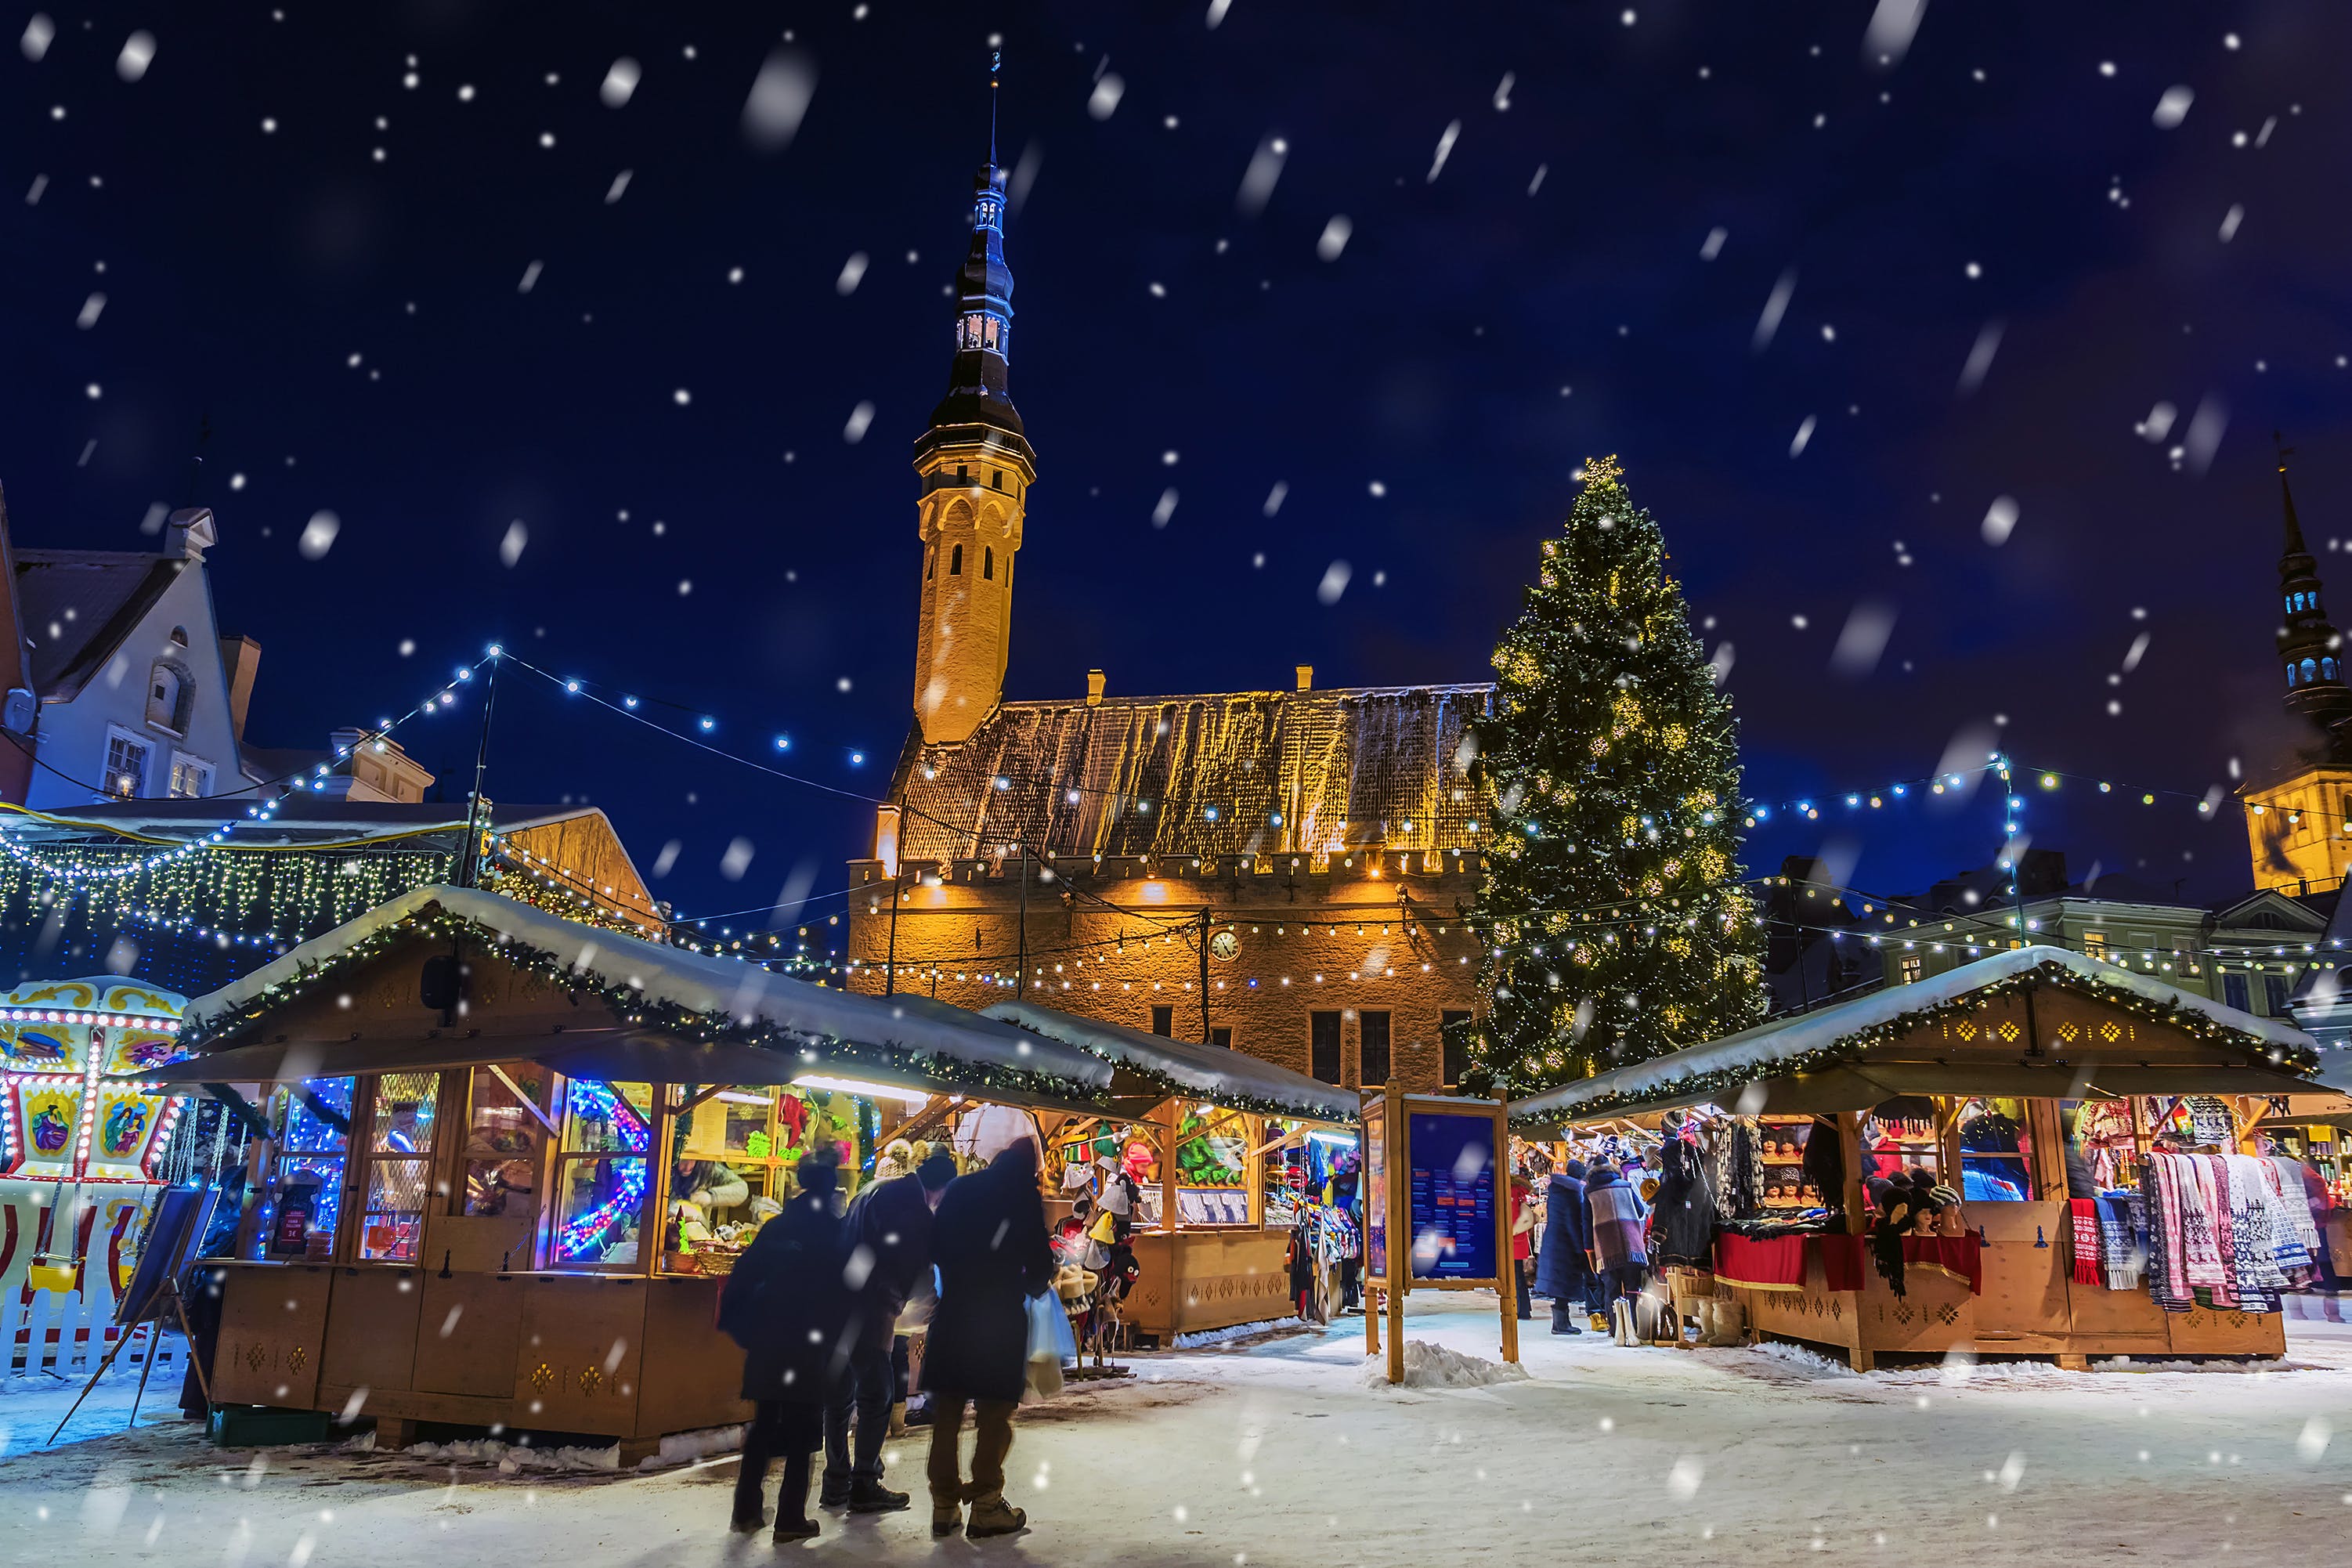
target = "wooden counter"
x: 1209, y: 1278
x: 608, y: 1354
x: 2030, y: 1306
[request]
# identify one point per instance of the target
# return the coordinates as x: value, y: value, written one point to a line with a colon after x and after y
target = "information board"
x: 1374, y: 1187
x: 1452, y: 1188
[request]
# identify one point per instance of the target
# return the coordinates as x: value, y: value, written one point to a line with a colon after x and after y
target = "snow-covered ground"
x: 1278, y: 1452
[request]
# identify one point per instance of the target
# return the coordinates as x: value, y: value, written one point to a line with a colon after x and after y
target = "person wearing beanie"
x: 887, y: 1235
x: 1619, y: 1253
x: 786, y: 1303
x: 989, y: 1244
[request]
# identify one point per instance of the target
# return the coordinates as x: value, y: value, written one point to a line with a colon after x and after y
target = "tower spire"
x: 2308, y: 643
x: 976, y: 469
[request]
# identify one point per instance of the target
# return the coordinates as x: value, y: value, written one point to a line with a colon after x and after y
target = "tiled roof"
x: 1243, y: 772
x: 79, y: 605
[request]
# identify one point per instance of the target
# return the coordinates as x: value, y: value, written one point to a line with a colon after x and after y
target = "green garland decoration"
x: 1256, y: 1105
x: 2056, y: 976
x: 630, y: 1005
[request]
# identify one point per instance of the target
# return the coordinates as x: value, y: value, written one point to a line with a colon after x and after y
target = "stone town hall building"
x: 1281, y: 872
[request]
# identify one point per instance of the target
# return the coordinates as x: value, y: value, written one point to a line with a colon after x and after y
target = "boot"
x: 947, y: 1518
x: 870, y: 1496
x: 833, y: 1491
x: 750, y: 1525
x: 992, y: 1515
x: 796, y: 1529
x: 899, y: 1419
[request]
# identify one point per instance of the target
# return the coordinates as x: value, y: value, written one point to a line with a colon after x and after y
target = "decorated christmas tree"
x: 1616, y: 926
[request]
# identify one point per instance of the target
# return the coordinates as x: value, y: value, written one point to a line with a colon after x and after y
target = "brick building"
x: 1282, y: 872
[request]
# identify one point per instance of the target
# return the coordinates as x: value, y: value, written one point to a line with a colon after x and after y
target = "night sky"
x: 1538, y: 284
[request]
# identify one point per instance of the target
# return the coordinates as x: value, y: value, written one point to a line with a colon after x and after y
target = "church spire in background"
x: 2308, y: 644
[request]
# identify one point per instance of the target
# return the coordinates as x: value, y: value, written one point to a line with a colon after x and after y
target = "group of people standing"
x: 817, y: 1301
x: 1594, y: 1249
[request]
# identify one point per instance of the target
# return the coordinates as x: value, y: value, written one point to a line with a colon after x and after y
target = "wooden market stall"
x: 507, y: 1155
x: 2037, y: 1038
x: 1212, y: 1250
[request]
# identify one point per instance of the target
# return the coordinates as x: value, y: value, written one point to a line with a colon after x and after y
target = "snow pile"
x: 513, y: 1458
x: 1238, y: 1331
x: 686, y: 1447
x: 1433, y: 1367
x: 1802, y: 1359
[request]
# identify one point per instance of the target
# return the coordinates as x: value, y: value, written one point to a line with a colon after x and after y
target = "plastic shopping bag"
x: 1051, y: 1344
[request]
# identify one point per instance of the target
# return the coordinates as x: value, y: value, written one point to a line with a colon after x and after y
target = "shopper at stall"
x: 887, y: 1232
x: 1523, y: 1227
x: 1618, y: 1253
x: 1563, y: 1266
x: 787, y: 1305
x: 989, y: 1244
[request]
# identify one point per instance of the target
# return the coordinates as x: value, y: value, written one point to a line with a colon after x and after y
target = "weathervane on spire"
x: 995, y: 68
x: 2284, y: 452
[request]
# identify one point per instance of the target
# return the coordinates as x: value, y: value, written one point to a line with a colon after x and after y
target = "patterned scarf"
x: 2085, y: 1213
x: 2122, y: 1251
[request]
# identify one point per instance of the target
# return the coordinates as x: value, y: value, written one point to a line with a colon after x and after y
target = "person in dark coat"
x: 889, y: 1233
x: 989, y: 1241
x: 787, y: 1305
x: 1682, y: 1219
x: 1563, y: 1272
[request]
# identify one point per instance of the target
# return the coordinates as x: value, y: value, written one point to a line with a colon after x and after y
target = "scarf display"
x: 2122, y: 1255
x: 2088, y: 1244
x: 2209, y: 1120
x: 2218, y: 1232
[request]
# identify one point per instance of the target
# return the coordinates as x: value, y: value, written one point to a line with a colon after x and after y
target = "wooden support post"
x: 1507, y: 1271
x: 1172, y: 1118
x: 1400, y: 1229
x: 1849, y: 1136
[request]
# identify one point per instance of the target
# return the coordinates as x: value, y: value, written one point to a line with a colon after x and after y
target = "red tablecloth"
x: 1841, y: 1261
x: 1779, y: 1264
x: 1776, y: 1264
x: 1961, y: 1257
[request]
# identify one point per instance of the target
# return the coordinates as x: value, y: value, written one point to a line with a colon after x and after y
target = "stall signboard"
x: 1452, y: 1188
x: 1434, y: 1212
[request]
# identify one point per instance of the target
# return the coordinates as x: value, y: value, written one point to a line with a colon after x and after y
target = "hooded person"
x: 787, y: 1305
x: 989, y: 1244
x: 1563, y: 1269
x: 887, y: 1238
x: 1619, y: 1254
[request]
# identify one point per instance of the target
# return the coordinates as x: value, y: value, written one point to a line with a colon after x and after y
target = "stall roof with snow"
x: 591, y: 1003
x: 2033, y: 1022
x: 1221, y: 1076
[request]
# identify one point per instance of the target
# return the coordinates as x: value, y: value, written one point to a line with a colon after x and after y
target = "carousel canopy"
x: 680, y: 1016
x: 1223, y: 1078
x: 1848, y: 1057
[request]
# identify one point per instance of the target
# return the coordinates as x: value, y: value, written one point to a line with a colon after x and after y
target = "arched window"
x: 2310, y: 671
x: 955, y: 561
x: 2290, y: 672
x: 2326, y: 670
x: 180, y: 636
x: 930, y: 563
x: 988, y: 563
x: 164, y: 687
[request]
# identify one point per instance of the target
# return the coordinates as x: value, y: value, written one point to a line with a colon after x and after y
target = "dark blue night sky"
x: 1549, y: 291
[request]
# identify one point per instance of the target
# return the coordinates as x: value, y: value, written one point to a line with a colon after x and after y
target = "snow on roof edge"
x: 1207, y: 1071
x: 1770, y: 1043
x: 697, y: 982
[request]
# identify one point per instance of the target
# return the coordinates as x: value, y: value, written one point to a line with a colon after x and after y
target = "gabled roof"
x: 302, y: 818
x: 79, y: 605
x: 926, y: 1038
x: 1227, y: 1078
x: 1243, y: 772
x: 2301, y: 912
x: 1797, y: 1045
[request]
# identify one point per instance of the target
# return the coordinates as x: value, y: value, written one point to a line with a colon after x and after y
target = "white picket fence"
x: 66, y: 1333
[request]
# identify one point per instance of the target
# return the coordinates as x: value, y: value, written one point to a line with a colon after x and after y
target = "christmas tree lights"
x: 1611, y: 760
